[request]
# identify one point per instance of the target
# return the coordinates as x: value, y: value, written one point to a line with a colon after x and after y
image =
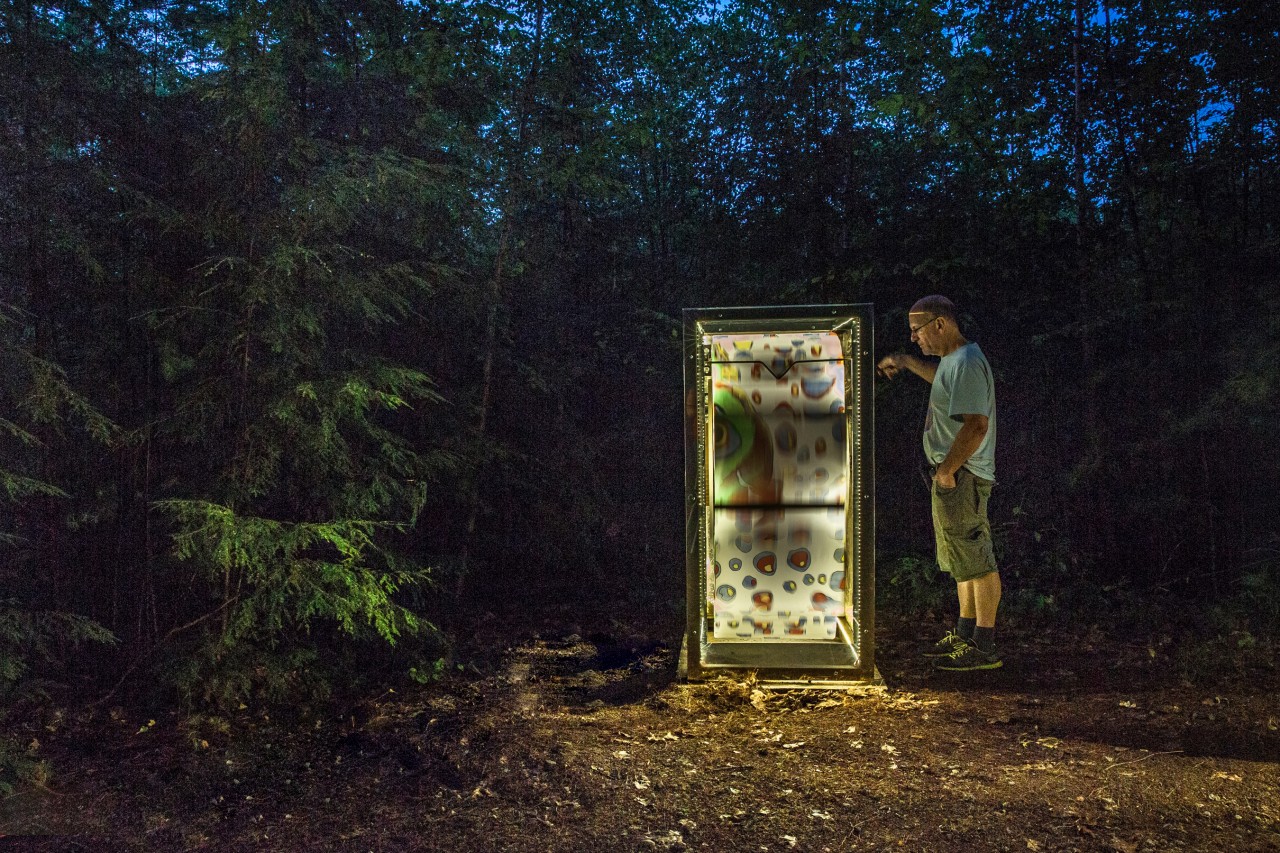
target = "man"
x: 959, y: 443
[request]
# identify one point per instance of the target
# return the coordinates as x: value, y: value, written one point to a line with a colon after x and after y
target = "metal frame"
x: 848, y: 660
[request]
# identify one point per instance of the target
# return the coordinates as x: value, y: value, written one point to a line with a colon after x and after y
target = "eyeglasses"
x: 915, y: 329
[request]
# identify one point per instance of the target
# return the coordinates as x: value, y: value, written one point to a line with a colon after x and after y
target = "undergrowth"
x: 1207, y: 642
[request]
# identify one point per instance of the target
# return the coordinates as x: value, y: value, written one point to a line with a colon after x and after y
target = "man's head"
x: 933, y: 325
x: 937, y: 306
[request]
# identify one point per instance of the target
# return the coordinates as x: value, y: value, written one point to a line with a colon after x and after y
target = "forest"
x: 336, y: 334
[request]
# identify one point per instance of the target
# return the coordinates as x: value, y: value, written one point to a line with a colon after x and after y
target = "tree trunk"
x: 511, y: 204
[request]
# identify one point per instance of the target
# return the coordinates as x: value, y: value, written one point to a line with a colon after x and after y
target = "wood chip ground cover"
x: 572, y: 744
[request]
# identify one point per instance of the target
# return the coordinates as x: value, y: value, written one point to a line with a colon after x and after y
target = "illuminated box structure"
x: 779, y: 484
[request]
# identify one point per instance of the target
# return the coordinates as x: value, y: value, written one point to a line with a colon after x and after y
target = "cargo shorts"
x: 961, y: 528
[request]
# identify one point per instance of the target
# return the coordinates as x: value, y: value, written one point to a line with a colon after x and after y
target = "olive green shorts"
x: 961, y: 527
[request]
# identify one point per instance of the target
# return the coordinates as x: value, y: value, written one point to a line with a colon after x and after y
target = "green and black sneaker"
x: 947, y: 646
x: 968, y: 657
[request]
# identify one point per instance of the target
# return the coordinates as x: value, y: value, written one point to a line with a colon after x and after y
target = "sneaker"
x: 948, y: 645
x: 969, y: 657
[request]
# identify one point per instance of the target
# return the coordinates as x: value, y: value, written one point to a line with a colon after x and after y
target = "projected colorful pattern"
x: 778, y: 567
x: 778, y: 573
x: 777, y: 421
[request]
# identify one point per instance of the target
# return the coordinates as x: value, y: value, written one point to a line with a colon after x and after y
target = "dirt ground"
x: 574, y: 739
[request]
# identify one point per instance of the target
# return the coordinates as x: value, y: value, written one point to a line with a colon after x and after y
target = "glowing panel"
x: 779, y: 477
x: 778, y: 419
x: 778, y: 574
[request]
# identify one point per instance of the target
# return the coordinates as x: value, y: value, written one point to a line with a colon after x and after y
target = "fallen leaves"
x: 908, y: 702
x: 624, y: 776
x: 672, y: 839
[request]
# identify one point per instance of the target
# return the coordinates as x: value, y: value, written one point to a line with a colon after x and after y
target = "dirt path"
x: 572, y: 744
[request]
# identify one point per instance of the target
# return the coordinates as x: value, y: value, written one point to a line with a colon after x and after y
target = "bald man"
x: 959, y: 444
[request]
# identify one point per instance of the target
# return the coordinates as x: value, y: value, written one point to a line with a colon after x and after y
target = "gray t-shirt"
x: 963, y: 385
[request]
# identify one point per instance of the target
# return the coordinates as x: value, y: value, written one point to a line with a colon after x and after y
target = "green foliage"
x: 1259, y: 590
x: 913, y: 583
x: 28, y: 636
x: 431, y: 674
x: 287, y: 283
x: 31, y: 638
x: 1226, y: 651
x: 366, y: 285
x: 35, y: 395
x: 228, y: 677
x: 1260, y: 595
x: 283, y: 576
x: 17, y: 764
x: 34, y: 633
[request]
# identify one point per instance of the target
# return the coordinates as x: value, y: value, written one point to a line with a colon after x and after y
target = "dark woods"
x: 323, y: 322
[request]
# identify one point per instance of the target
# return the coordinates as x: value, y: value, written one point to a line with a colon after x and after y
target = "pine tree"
x: 311, y: 236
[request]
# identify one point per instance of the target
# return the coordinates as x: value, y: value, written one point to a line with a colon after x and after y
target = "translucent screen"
x: 777, y: 420
x: 778, y: 485
x: 778, y: 573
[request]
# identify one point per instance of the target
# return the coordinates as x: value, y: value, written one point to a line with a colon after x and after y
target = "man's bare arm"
x: 966, y: 443
x: 890, y: 365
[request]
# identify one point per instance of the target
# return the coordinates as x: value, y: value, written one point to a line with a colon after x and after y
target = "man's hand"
x: 944, y: 481
x: 891, y: 364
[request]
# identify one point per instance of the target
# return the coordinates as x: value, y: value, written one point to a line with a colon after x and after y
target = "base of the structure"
x: 783, y: 664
